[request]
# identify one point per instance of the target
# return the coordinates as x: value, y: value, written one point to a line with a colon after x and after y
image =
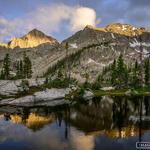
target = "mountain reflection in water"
x: 102, y: 123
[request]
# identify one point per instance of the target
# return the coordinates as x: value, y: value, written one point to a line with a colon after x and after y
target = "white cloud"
x: 81, y: 17
x: 48, y: 19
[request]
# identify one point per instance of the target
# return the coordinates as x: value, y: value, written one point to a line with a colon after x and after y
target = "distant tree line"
x: 22, y: 69
x: 120, y: 75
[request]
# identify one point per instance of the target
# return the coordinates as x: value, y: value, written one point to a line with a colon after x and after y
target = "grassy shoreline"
x: 124, y: 92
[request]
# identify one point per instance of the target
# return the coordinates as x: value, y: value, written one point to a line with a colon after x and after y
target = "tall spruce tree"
x: 122, y: 73
x: 21, y: 69
x: 27, y: 67
x: 18, y: 70
x: 24, y: 65
x: 6, y: 67
x: 2, y: 77
x: 135, y: 80
x: 67, y: 62
x: 126, y: 75
x: 147, y: 71
x: 113, y: 73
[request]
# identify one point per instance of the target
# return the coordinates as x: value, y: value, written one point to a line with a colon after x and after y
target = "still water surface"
x: 104, y: 123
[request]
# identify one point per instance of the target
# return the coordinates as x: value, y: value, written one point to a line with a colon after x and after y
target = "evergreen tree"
x: 122, y: 73
x: 27, y: 67
x: 2, y: 77
x: 147, y: 71
x: 24, y: 65
x: 120, y: 64
x: 20, y: 73
x: 68, y: 62
x: 46, y: 80
x: 60, y: 74
x: 113, y: 73
x: 126, y: 75
x: 6, y: 67
x: 135, y: 82
x: 18, y: 70
x: 21, y: 69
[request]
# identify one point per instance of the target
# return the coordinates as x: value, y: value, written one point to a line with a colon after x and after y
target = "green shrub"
x: 25, y: 86
x: 60, y: 82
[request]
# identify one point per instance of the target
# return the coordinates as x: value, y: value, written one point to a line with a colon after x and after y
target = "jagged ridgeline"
x: 90, y: 50
x: 98, y: 47
x: 72, y: 59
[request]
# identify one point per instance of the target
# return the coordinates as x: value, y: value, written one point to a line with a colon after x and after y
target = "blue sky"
x: 62, y: 18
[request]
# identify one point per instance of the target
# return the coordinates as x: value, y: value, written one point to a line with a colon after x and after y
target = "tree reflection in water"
x: 102, y: 115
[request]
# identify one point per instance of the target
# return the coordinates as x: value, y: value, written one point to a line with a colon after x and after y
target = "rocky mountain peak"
x: 32, y: 39
x: 123, y: 29
x: 89, y: 27
x: 34, y: 33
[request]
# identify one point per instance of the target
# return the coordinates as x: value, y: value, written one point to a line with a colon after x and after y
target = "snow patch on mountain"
x: 74, y: 45
x: 112, y: 35
x: 135, y: 43
x: 145, y: 52
x: 124, y: 28
x: 146, y: 44
x: 134, y: 28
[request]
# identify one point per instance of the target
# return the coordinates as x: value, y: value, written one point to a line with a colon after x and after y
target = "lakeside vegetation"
x: 119, y: 75
x: 133, y: 79
x: 123, y: 92
x: 20, y: 69
x: 123, y: 78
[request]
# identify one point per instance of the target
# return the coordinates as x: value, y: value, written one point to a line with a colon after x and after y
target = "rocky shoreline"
x: 46, y: 97
x: 9, y: 88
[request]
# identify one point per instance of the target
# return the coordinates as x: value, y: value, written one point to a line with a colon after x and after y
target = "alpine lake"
x: 102, y: 123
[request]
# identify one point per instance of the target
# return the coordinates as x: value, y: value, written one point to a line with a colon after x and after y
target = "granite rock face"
x: 10, y: 87
x: 93, y: 49
x: 100, y: 46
